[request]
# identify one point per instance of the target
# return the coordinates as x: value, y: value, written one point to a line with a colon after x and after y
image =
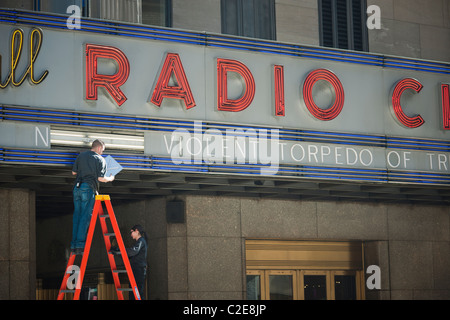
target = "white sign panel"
x: 94, y: 72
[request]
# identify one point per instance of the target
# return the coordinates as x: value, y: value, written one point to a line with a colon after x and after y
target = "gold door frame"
x: 300, y: 258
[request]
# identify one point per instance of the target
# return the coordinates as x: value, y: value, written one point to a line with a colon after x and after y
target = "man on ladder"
x: 90, y: 169
x: 76, y: 273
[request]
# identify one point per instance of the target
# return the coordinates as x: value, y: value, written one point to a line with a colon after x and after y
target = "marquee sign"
x: 242, y: 103
x: 181, y: 90
x: 107, y: 69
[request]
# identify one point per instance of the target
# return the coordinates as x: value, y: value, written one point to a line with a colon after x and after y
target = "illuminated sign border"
x: 133, y: 123
x: 141, y: 162
x: 158, y: 163
x: 180, y: 91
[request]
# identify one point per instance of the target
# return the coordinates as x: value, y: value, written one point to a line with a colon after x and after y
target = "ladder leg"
x: 111, y: 259
x: 123, y: 251
x: 87, y: 248
x: 66, y: 276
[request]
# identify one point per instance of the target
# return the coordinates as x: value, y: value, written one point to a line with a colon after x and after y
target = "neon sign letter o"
x: 336, y: 108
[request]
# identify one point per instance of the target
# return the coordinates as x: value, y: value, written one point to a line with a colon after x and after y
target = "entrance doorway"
x: 303, y: 285
x: 304, y: 270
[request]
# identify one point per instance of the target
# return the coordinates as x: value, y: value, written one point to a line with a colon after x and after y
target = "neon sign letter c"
x: 400, y: 87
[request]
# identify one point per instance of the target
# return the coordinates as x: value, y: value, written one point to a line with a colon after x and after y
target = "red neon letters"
x: 181, y: 90
x: 278, y: 72
x: 223, y: 103
x: 111, y: 83
x: 445, y: 95
x: 173, y: 67
x: 400, y: 87
x: 333, y: 111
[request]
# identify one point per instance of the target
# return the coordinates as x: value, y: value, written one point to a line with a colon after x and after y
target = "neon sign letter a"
x: 181, y: 90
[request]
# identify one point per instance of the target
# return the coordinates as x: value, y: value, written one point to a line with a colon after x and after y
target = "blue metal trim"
x: 131, y: 161
x: 223, y: 41
x: 76, y: 119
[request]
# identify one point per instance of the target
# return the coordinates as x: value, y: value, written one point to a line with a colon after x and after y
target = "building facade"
x: 271, y: 149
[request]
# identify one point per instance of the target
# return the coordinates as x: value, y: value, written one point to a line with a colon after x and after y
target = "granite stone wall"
x: 203, y: 257
x: 17, y: 244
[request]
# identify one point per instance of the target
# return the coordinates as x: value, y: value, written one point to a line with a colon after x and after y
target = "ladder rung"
x: 67, y: 291
x: 120, y: 271
x: 104, y: 216
x: 125, y: 289
x: 109, y: 234
x: 115, y: 253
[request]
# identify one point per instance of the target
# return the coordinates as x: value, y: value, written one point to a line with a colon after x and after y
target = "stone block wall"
x: 206, y: 255
x: 17, y: 244
x: 413, y: 28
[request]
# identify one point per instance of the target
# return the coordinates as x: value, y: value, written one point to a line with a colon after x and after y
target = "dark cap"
x: 138, y: 227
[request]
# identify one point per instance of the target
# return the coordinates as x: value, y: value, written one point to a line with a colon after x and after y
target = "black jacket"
x: 138, y: 253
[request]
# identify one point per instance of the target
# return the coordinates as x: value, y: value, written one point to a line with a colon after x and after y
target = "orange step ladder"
x: 73, y: 272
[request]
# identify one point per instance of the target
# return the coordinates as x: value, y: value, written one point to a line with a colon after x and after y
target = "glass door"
x: 345, y: 285
x: 304, y: 270
x: 304, y: 285
x: 315, y: 285
x: 281, y: 285
x: 254, y: 284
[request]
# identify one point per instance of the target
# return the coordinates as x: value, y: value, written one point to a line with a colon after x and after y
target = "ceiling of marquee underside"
x: 53, y: 184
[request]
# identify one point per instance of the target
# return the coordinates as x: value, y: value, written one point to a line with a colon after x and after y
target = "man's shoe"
x: 78, y: 250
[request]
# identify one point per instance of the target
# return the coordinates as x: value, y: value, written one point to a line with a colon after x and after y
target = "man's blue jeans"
x: 83, y: 201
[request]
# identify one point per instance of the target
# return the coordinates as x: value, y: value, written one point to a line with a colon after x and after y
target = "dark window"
x: 153, y: 12
x: 60, y: 6
x: 249, y: 18
x: 343, y: 24
x: 157, y: 12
